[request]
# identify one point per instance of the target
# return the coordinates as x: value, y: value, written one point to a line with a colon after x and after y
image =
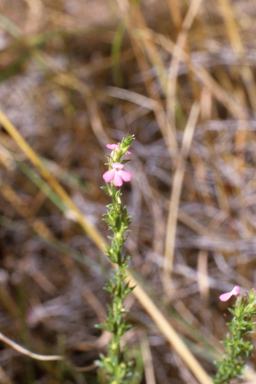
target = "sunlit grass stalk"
x: 117, y: 370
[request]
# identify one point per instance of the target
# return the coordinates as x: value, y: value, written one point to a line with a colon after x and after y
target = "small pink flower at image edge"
x: 117, y: 174
x: 226, y: 296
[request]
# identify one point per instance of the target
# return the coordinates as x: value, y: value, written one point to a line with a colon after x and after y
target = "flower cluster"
x: 114, y: 147
x: 116, y: 172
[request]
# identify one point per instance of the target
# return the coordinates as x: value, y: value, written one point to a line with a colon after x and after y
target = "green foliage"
x: 237, y: 347
x: 117, y: 370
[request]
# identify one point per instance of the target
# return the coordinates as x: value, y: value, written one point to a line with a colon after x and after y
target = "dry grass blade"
x: 231, y: 26
x: 237, y: 109
x: 203, y: 274
x: 148, y: 362
x: 164, y: 124
x: 147, y: 45
x: 4, y: 379
x: 175, y: 13
x: 171, y: 335
x: 92, y: 232
x: 26, y: 352
x: 38, y: 226
x: 7, y: 301
x: 179, y: 46
x: 175, y: 195
x: 245, y: 71
x: 150, y: 47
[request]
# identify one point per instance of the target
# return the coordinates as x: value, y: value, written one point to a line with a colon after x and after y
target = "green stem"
x: 117, y: 371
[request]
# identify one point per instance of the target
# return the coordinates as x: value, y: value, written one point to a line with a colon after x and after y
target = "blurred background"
x: 74, y: 76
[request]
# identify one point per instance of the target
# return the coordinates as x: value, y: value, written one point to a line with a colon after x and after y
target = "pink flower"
x: 226, y: 296
x: 117, y: 174
x: 115, y: 146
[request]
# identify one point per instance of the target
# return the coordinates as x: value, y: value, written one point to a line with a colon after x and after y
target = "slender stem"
x: 117, y: 371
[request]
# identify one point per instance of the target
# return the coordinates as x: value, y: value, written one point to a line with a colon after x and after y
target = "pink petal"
x: 109, y: 175
x: 118, y: 180
x: 117, y: 166
x: 126, y: 176
x: 112, y: 146
x: 128, y: 153
x: 236, y: 290
x: 226, y: 296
